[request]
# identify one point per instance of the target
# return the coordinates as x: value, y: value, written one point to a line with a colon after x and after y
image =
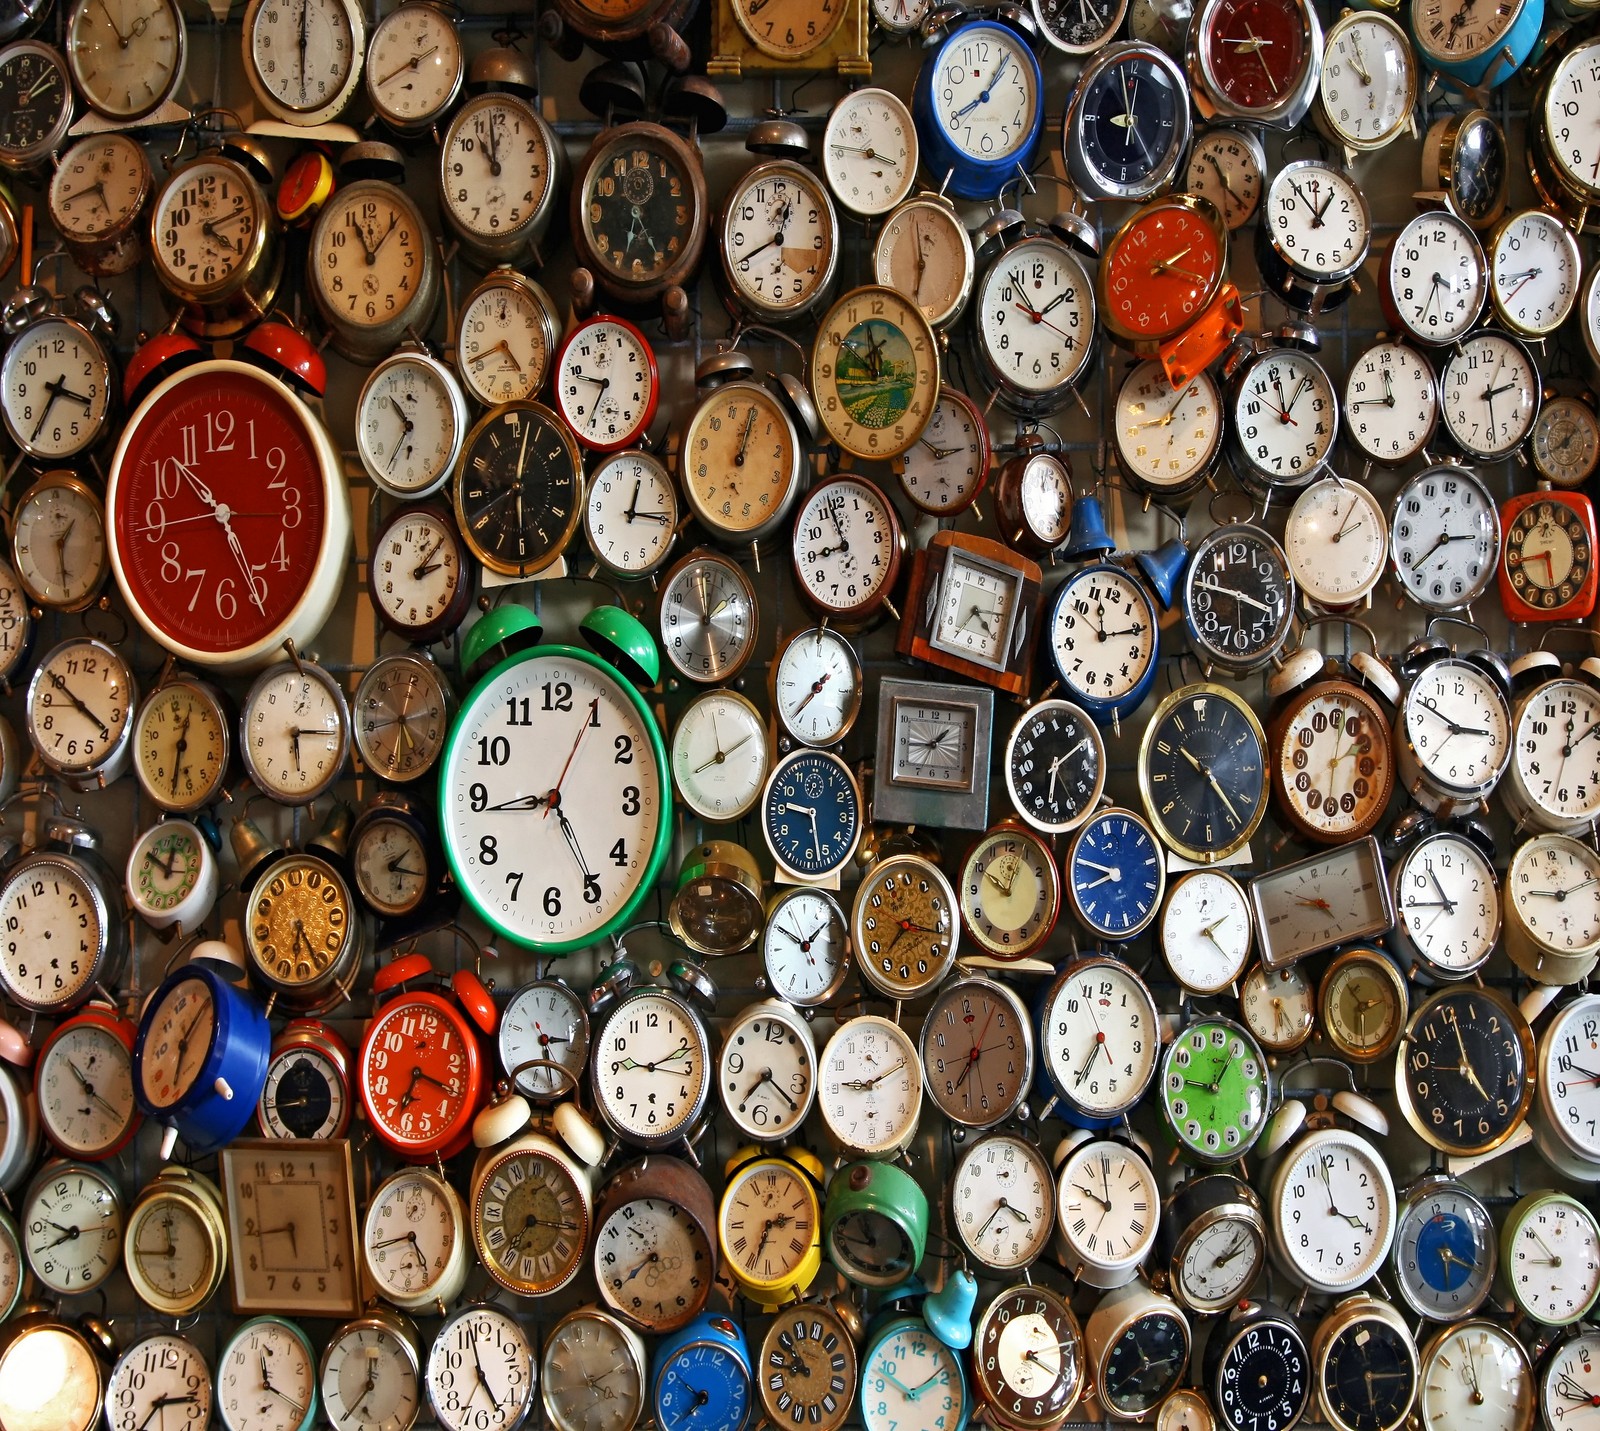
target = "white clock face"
x: 1448, y: 903
x: 1554, y: 882
x: 205, y: 224
x: 303, y: 54
x: 1109, y: 1204
x: 767, y: 1073
x: 804, y: 946
x: 1286, y: 416
x: 1336, y: 539
x: 159, y: 1372
x: 767, y: 1220
x: 58, y: 539
x: 495, y: 167
x: 79, y: 706
x: 631, y: 514
x: 1002, y: 1197
x: 1554, y: 1261
x: 1010, y: 896
x: 390, y: 864
x: 1318, y: 219
x: 1220, y: 1262
x: 99, y: 185
x: 1569, y: 115
x: 842, y: 538
x: 417, y: 568
x: 1477, y: 1378
x: 414, y: 62
x: 1445, y: 30
x: 1036, y: 317
x: 817, y: 686
x: 1569, y: 1384
x: 1166, y: 439
x: 1046, y: 491
x: 368, y: 253
x: 410, y: 1236
x: 1103, y: 633
x: 52, y: 938
x: 1489, y: 391
x: 975, y: 611
x: 1391, y: 402
x: 899, y: 17
x: 1444, y: 538
x: 708, y: 619
x: 1437, y: 277
x: 85, y: 1085
x: 72, y: 1228
x: 945, y: 469
x: 651, y: 1260
x: 1458, y: 724
x: 503, y: 350
x: 1556, y: 754
x: 719, y: 755
x: 169, y: 864
x: 870, y: 1085
x: 126, y: 57
x: 869, y: 151
x: 780, y: 238
x: 605, y: 383
x: 1570, y: 1050
x: 481, y: 1349
x: 369, y: 1379
x: 592, y: 1380
x: 16, y: 621
x: 987, y: 100
x: 1205, y: 930
x: 266, y: 1378
x: 650, y: 1067
x: 1100, y: 1037
x: 1335, y: 1210
x: 544, y: 1022
x: 1534, y: 267
x: 1368, y: 79
x: 1224, y: 166
x: 295, y: 733
x: 56, y: 388
x: 553, y: 726
x: 923, y: 252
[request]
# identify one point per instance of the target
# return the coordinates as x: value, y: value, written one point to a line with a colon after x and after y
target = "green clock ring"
x: 1216, y: 1091
x: 555, y: 804
x: 875, y: 1223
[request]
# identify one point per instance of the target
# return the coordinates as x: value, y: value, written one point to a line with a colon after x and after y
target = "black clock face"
x: 871, y: 1244
x: 1464, y: 1061
x: 33, y: 92
x: 638, y: 210
x: 1238, y: 594
x: 304, y: 1098
x: 519, y: 488
x: 1145, y: 1363
x: 1370, y: 1376
x: 1264, y: 1379
x: 1053, y: 765
x: 1130, y: 117
x: 1479, y: 173
x: 1079, y: 22
x: 1204, y: 775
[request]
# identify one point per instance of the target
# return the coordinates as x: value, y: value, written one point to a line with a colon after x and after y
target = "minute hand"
x: 1211, y: 780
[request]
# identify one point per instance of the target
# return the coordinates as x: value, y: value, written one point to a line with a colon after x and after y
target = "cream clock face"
x: 871, y: 1085
x: 1002, y: 1195
x: 768, y: 1220
x: 410, y: 1237
x: 368, y: 255
x: 303, y: 54
x: 126, y: 56
x: 650, y: 1067
x: 767, y: 1074
x: 205, y: 224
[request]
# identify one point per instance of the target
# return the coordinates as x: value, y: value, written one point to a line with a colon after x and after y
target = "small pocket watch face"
x: 400, y: 716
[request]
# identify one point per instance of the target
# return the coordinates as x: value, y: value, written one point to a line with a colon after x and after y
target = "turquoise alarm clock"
x: 978, y: 105
x: 1482, y: 47
x: 911, y: 1378
x: 267, y: 1376
x: 200, y: 1059
x: 701, y: 1380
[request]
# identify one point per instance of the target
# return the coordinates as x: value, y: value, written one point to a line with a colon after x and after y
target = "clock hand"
x: 866, y: 1084
x: 89, y: 1088
x: 722, y: 755
x: 939, y: 1375
x: 591, y: 881
x: 305, y: 40
x: 60, y: 684
x: 414, y: 63
x: 1260, y: 46
x: 122, y: 40
x: 553, y: 800
x: 744, y: 262
x: 1214, y: 585
x: 1222, y: 174
x: 494, y: 149
x: 816, y: 690
x: 68, y: 1234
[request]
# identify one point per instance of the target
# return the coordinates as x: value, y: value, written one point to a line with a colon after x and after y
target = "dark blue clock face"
x: 1145, y: 1363
x: 1116, y: 874
x: 702, y: 1388
x: 1204, y: 772
x: 1448, y: 1252
x: 1370, y: 1376
x: 1130, y: 119
x: 812, y: 813
x: 1263, y: 1378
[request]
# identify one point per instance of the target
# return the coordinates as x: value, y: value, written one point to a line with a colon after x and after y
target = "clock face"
x: 55, y: 389
x: 1202, y: 772
x: 1114, y: 870
x: 875, y: 372
x: 414, y: 64
x: 1002, y: 1195
x: 1255, y: 50
x: 1285, y: 416
x: 494, y: 1345
x: 205, y: 226
x: 1569, y: 1371
x: 741, y: 461
x: 703, y: 1374
x: 1266, y: 1369
x: 809, y: 1370
x: 530, y: 1221
x: 400, y: 715
x: 504, y: 341
x: 1226, y: 166
x: 708, y: 618
x: 638, y: 206
x: 296, y: 731
x: 1109, y: 1205
x: 181, y: 745
x: 1342, y: 1248
x: 1369, y: 1374
x: 368, y: 257
x: 1534, y: 266
x: 1028, y: 1348
x: 1444, y: 538
x: 987, y: 87
x: 1437, y: 277
x: 171, y: 1254
x: 176, y: 1037
x: 1239, y: 595
x: 605, y: 383
x: 53, y: 964
x: 1163, y: 267
x: 1565, y: 922
x: 230, y: 455
x: 35, y: 99
x: 1489, y: 391
x: 411, y: 1236
x: 390, y: 865
x: 1336, y: 539
x: 1099, y: 1037
x: 1215, y: 1090
x: 977, y: 1052
x: 905, y: 926
x: 790, y: 31
x: 1079, y: 29
x: 519, y: 488
x: 1369, y: 80
x: 869, y: 151
x: 1277, y: 1007
x: 16, y: 623
x: 870, y: 1085
x: 1128, y: 123
x: 544, y: 1023
x: 1055, y: 766
x: 1206, y: 930
x: 85, y: 1087
x: 817, y: 686
x: 157, y: 1372
x: 811, y: 813
x: 416, y: 571
x: 976, y: 611
x: 80, y: 706
x: 1448, y: 903
x: 1551, y: 1247
x: 905, y: 1355
x: 419, y: 1073
x: 650, y: 1067
x: 1036, y: 319
x: 767, y: 1073
x: 653, y: 1263
x: 846, y: 547
x: 768, y: 1220
x: 1166, y: 440
x: 1145, y: 1362
x: 410, y: 422
x: 924, y: 252
x: 58, y: 541
x: 367, y: 1370
x: 631, y: 514
x: 1334, y: 769
x: 1445, y: 33
x: 1219, y: 1262
x: 805, y: 946
x: 1010, y: 892
x: 719, y: 755
x: 1463, y: 1070
x: 1444, y: 1251
x: 1565, y: 445
x: 322, y: 37
x: 72, y: 1227
x: 935, y: 743
x: 780, y: 238
x: 1391, y: 402
x: 947, y: 468
x: 1548, y: 553
x: 592, y: 1379
x: 166, y: 867
x: 305, y: 1095
x: 1459, y: 725
x: 1501, y: 1392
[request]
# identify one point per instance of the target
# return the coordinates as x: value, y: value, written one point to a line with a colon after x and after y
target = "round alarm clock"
x: 703, y: 1369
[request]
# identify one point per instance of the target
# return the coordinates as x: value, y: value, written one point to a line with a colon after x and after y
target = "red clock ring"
x: 421, y: 1077
x: 652, y: 378
x: 126, y: 1033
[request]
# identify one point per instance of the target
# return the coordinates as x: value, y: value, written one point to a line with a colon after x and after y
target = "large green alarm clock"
x: 554, y: 803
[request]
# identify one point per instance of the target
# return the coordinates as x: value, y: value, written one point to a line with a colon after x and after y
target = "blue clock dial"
x: 910, y: 1378
x: 811, y: 814
x: 1130, y: 120
x: 703, y: 1387
x: 1202, y: 772
x: 1115, y: 870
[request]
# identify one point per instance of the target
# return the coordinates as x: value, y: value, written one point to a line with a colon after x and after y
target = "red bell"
x: 155, y: 359
x: 286, y: 353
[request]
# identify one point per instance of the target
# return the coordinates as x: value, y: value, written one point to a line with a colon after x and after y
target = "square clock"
x: 292, y: 1226
x: 933, y: 754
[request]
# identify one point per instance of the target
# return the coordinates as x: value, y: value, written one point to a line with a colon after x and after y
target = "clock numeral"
x: 488, y: 850
x: 520, y: 711
x: 619, y: 854
x: 514, y: 879
x: 557, y: 696
x: 494, y: 752
x: 552, y: 901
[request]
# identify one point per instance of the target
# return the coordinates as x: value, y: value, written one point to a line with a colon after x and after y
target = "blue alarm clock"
x: 909, y: 1378
x: 811, y: 815
x: 200, y: 1059
x: 1104, y: 640
x: 1115, y: 874
x: 701, y: 1380
x: 1486, y: 50
x: 978, y: 107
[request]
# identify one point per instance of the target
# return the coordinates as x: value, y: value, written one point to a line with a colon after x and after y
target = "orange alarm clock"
x: 1547, y: 562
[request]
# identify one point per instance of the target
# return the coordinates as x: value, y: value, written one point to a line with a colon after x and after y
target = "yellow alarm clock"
x: 770, y: 1223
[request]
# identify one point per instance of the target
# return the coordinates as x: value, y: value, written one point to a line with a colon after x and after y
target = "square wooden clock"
x: 933, y: 754
x: 789, y: 36
x: 292, y: 1226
